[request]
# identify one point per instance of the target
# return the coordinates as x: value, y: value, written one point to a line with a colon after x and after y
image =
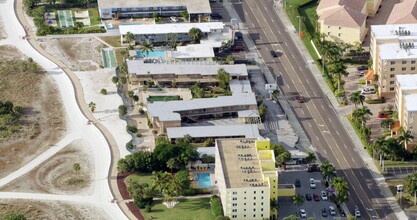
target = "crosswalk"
x: 271, y: 125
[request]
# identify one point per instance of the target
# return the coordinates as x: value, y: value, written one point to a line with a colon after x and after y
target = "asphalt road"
x: 316, y: 115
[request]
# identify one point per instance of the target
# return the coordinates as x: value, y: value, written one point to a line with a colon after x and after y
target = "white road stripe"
x: 253, y: 24
x: 279, y: 32
x: 377, y: 201
x: 300, y: 68
x: 293, y: 56
x: 272, y: 20
x: 310, y: 125
x: 286, y: 44
x: 288, y: 86
x: 337, y: 133
x: 325, y: 151
x: 344, y: 145
x: 360, y: 173
x: 330, y: 120
x: 322, y: 107
x: 302, y: 111
x: 353, y: 159
x: 308, y: 82
x: 246, y: 13
x: 317, y: 138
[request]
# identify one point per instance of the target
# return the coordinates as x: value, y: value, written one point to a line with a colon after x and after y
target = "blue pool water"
x: 155, y: 53
x: 204, y: 180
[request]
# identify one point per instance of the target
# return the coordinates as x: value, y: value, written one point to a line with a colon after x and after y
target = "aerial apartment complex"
x: 345, y: 20
x: 394, y: 52
x: 246, y: 177
x: 406, y: 101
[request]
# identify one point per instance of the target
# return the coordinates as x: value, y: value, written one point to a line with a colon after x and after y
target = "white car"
x: 174, y: 19
x: 368, y: 91
x: 357, y: 213
x: 332, y: 210
x: 323, y: 195
x: 312, y: 183
x: 303, y: 213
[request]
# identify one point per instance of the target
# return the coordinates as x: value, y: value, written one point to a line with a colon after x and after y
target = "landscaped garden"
x: 163, y: 98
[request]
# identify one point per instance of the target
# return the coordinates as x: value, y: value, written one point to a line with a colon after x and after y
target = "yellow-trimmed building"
x: 246, y: 177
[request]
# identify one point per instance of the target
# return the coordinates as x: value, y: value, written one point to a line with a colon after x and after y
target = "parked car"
x: 342, y: 213
x: 312, y: 183
x: 303, y: 213
x: 273, y: 53
x: 357, y: 213
x: 238, y: 36
x: 324, y: 212
x: 299, y: 98
x: 359, y: 68
x: 384, y: 114
x: 308, y: 197
x: 313, y: 168
x: 332, y: 210
x: 216, y: 16
x: 361, y: 73
x: 174, y: 19
x: 297, y: 183
x: 323, y: 195
x: 368, y: 90
x: 238, y: 48
x: 316, y: 197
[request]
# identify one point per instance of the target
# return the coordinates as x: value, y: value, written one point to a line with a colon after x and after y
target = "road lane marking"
x: 285, y: 43
x: 293, y: 56
x: 338, y: 134
x: 272, y: 20
x: 310, y: 125
x: 360, y: 173
x: 330, y: 120
x: 325, y: 151
x: 302, y: 111
x: 322, y: 107
x: 317, y: 138
x: 307, y: 80
x: 246, y: 13
x: 377, y: 201
x: 300, y: 68
x: 344, y: 145
x: 355, y: 178
x: 253, y: 24
x: 353, y: 159
x: 288, y: 86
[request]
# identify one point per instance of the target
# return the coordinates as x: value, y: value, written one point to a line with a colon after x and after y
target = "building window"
x: 244, y: 203
x: 244, y: 216
x: 328, y: 33
x: 392, y: 62
x: 244, y: 192
x: 234, y: 216
x: 244, y: 198
x: 392, y: 69
x: 413, y: 62
x: 234, y: 193
x: 262, y: 192
x: 403, y: 69
x: 328, y: 26
x: 254, y: 198
x: 262, y: 209
x: 339, y: 34
x: 254, y: 203
x: 244, y: 210
x: 262, y: 215
x: 392, y: 82
x: 234, y: 210
x: 254, y: 210
x: 413, y: 68
x: 340, y: 28
x: 254, y: 192
x: 391, y: 89
x: 262, y: 197
x: 254, y: 216
x: 234, y: 198
x: 234, y: 204
x: 404, y: 62
x: 262, y: 203
x: 391, y: 75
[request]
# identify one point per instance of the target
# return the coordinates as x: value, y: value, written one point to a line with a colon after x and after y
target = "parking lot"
x: 313, y: 208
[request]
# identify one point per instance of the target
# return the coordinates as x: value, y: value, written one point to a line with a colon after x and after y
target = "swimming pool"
x: 155, y: 53
x: 204, y: 180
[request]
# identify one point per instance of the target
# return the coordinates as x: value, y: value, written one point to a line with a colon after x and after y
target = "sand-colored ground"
x: 80, y: 54
x: 43, y: 120
x: 53, y: 175
x: 51, y: 210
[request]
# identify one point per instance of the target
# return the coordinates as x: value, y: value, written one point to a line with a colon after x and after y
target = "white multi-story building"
x: 394, y: 51
x: 246, y: 177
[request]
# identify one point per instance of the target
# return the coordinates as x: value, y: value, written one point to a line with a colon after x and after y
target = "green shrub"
x: 139, y: 135
x: 143, y: 202
x: 129, y: 145
x: 135, y: 98
x: 141, y: 111
x: 376, y: 101
x: 339, y: 92
x: 122, y: 110
x: 130, y: 94
x: 148, y: 208
x: 132, y: 129
x: 216, y: 206
x: 103, y: 91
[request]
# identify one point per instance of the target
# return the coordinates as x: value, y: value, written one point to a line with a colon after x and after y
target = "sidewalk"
x: 379, y: 178
x: 79, y: 96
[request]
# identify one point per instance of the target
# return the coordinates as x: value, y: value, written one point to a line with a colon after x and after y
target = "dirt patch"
x: 79, y: 54
x: 51, y: 210
x: 43, y: 119
x: 56, y: 175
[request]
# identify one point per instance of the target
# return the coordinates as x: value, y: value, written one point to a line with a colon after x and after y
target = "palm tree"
x: 411, y: 185
x: 311, y: 157
x: 76, y: 167
x: 342, y: 188
x: 92, y: 106
x: 123, y: 53
x: 358, y: 47
x: 327, y: 170
x: 146, y: 47
x: 160, y: 180
x: 130, y: 37
x: 196, y: 34
x: 282, y: 159
x: 357, y: 98
x: 405, y: 137
x: 273, y: 205
x: 387, y: 123
x: 298, y: 200
x: 339, y: 69
x: 362, y: 114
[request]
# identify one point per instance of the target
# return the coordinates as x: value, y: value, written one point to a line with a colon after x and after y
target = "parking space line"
x: 322, y: 107
x: 325, y: 151
x: 317, y: 138
x: 339, y: 135
x: 302, y: 111
x: 353, y: 159
x: 246, y: 13
x: 308, y: 82
x: 293, y: 56
x: 272, y: 20
x: 360, y: 173
x: 310, y: 125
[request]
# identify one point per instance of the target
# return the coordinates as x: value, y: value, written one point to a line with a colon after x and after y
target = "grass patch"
x: 94, y: 16
x: 408, y: 200
x: 140, y: 177
x: 163, y: 98
x: 114, y: 41
x: 74, y: 180
x: 119, y: 57
x: 399, y: 164
x: 186, y: 209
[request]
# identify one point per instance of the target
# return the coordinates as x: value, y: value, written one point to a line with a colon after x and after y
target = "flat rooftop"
x: 407, y: 82
x: 193, y: 6
x: 167, y: 111
x: 138, y: 67
x: 411, y: 102
x: 178, y: 28
x: 391, y: 31
x: 193, y: 51
x: 240, y: 86
x: 245, y: 130
x: 393, y: 51
x: 240, y: 163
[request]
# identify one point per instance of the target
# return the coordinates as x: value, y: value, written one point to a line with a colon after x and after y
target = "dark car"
x: 238, y: 35
x: 313, y: 168
x: 238, y: 48
x: 273, y: 53
x: 324, y: 212
x: 299, y: 98
x: 308, y: 197
x: 297, y: 183
x: 316, y: 197
x: 216, y: 16
x: 359, y: 68
x: 342, y: 213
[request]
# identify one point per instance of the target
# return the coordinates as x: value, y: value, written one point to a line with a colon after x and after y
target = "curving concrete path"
x: 99, y: 139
